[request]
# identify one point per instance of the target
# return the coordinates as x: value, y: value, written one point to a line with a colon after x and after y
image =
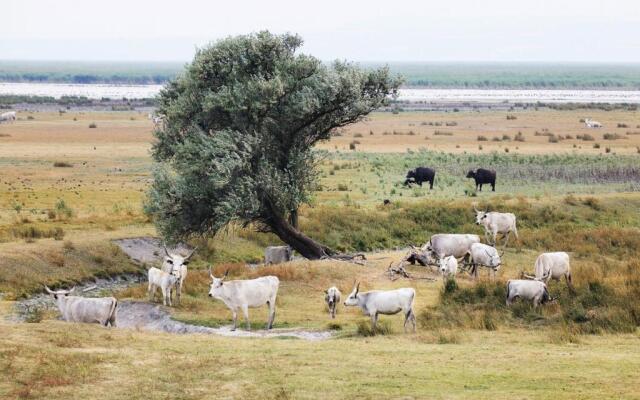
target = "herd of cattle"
x: 446, y: 251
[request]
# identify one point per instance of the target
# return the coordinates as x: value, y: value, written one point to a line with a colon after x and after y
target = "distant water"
x: 97, y: 91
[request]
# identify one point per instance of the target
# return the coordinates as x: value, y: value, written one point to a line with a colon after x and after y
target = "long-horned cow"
x: 486, y: 256
x: 100, y: 310
x: 332, y: 298
x: 552, y: 266
x: 496, y: 222
x: 245, y: 294
x: 534, y: 291
x: 386, y: 302
x: 166, y: 281
x: 449, y: 244
x: 177, y: 265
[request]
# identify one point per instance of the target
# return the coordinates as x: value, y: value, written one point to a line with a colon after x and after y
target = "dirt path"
x: 153, y: 317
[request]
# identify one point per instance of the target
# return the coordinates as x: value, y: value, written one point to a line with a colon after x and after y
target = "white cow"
x: 166, y: 281
x: 535, y: 291
x: 552, y: 266
x: 386, y: 302
x: 243, y: 294
x: 589, y: 123
x: 332, y: 298
x: 482, y: 255
x: 85, y: 309
x: 178, y: 265
x: 449, y: 244
x: 8, y: 116
x: 494, y: 223
x: 448, y: 267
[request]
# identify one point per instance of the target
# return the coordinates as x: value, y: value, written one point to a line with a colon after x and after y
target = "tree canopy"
x: 238, y: 135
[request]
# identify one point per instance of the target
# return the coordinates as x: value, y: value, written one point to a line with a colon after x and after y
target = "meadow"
x: 68, y: 189
x: 417, y: 74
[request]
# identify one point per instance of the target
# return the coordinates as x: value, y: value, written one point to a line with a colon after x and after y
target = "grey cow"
x: 534, y: 291
x: 277, y: 254
x: 449, y: 244
x: 386, y: 302
x: 100, y: 310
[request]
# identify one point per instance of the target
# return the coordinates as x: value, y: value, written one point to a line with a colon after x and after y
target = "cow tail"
x: 515, y: 231
x: 508, y: 289
x: 112, y: 313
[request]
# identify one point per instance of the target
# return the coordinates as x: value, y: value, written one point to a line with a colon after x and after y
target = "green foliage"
x: 240, y: 126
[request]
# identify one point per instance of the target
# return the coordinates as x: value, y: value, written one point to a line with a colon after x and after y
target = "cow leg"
x: 409, y: 317
x: 431, y: 184
x: 235, y: 319
x: 506, y: 238
x: 374, y: 320
x: 493, y: 187
x: 567, y: 278
x: 245, y: 312
x: 272, y: 313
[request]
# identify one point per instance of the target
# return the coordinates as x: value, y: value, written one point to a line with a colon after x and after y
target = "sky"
x: 372, y: 30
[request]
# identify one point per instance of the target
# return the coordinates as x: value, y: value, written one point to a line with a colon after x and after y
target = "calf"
x: 483, y: 176
x: 535, y: 291
x: 448, y: 267
x: 243, y: 294
x: 332, y: 298
x: 277, y: 254
x: 386, y: 302
x: 83, y: 309
x: 166, y: 281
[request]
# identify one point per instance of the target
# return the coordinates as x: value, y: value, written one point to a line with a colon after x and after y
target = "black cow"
x: 419, y: 175
x: 483, y: 176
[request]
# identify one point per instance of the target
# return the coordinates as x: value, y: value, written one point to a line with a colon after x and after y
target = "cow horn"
x: 210, y: 274
x: 49, y: 290
x: 192, y: 253
x: 72, y: 289
x: 165, y: 250
x: 226, y: 273
x: 475, y: 209
x: 528, y: 276
x: 357, y: 287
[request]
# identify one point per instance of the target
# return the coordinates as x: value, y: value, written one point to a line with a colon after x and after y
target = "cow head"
x: 411, y: 174
x: 172, y: 262
x: 471, y: 174
x: 57, y: 294
x: 494, y: 259
x: 216, y: 283
x: 480, y: 216
x: 442, y: 264
x: 352, y: 299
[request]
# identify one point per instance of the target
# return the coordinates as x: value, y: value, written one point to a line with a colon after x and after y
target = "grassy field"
x: 67, y: 190
x: 439, y: 75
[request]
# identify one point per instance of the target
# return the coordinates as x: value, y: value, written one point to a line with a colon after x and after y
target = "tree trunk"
x: 301, y: 243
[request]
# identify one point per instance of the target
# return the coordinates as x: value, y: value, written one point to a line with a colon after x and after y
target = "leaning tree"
x: 238, y: 134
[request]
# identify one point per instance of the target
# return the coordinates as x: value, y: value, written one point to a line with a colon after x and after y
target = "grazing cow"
x: 448, y: 267
x: 494, y: 223
x: 420, y: 175
x: 386, y: 302
x: 85, y: 309
x: 277, y: 254
x: 332, y: 298
x: 166, y: 281
x: 8, y: 116
x: 177, y: 265
x: 449, y: 244
x: 245, y: 294
x: 553, y: 266
x: 484, y: 256
x: 483, y: 176
x: 535, y: 291
x: 589, y: 123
